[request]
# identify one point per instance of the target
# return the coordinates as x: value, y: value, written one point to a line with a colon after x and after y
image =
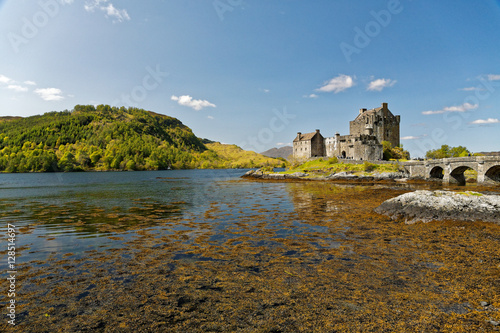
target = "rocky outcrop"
x: 259, y: 174
x: 427, y: 206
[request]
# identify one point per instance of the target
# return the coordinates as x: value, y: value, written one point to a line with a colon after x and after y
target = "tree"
x: 446, y: 151
x: 394, y: 153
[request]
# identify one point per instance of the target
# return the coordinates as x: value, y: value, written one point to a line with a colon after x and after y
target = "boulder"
x: 427, y: 206
x: 298, y: 175
x: 342, y: 175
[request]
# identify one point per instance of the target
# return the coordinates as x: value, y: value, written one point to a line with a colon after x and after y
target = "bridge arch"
x: 492, y: 174
x: 437, y: 172
x: 457, y: 174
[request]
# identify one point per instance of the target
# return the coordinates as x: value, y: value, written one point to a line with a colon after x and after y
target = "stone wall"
x: 317, y: 146
x: 302, y: 149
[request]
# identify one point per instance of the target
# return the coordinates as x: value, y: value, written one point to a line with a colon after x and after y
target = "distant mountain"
x: 491, y: 153
x: 283, y: 152
x: 112, y: 138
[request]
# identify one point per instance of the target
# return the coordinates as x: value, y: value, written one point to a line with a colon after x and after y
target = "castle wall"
x: 317, y: 146
x: 302, y: 149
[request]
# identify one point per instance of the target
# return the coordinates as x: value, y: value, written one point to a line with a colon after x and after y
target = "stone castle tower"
x: 379, y: 122
x: 367, y: 131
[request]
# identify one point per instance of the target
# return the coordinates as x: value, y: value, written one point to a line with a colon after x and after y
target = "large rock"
x: 427, y: 206
x: 390, y: 175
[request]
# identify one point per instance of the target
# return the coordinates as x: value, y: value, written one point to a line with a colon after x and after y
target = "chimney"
x: 298, y: 135
x: 362, y: 110
x: 384, y: 105
x: 317, y: 131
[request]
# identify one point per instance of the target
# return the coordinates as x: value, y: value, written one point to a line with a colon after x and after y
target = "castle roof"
x: 305, y: 136
x: 368, y: 112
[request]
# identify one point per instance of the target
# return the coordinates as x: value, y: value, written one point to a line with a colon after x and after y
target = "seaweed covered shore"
x: 341, y: 268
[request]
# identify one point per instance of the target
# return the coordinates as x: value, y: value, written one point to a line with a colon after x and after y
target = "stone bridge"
x: 451, y: 170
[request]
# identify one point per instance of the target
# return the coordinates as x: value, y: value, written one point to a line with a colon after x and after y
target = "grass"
x: 321, y: 167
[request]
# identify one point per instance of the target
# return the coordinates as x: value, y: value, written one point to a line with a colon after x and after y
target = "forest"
x: 102, y: 138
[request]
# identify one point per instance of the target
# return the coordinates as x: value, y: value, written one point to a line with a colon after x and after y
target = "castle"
x: 364, y: 142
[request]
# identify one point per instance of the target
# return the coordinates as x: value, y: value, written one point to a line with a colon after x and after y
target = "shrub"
x: 267, y: 169
x: 368, y: 167
x: 333, y: 160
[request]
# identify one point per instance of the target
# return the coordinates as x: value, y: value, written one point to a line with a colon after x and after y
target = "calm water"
x: 207, y: 251
x: 60, y: 213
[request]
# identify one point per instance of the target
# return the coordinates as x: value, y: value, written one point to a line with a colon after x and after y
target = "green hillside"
x: 232, y: 156
x: 103, y: 138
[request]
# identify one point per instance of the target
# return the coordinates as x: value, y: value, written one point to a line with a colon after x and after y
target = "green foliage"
x: 446, y: 151
x: 369, y: 167
x: 89, y: 138
x: 333, y: 160
x: 394, y: 153
x: 111, y: 138
x: 267, y: 169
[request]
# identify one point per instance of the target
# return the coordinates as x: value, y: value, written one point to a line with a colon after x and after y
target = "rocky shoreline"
x: 426, y: 206
x: 259, y: 174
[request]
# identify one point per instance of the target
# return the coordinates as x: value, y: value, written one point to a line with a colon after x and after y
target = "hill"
x: 283, y: 152
x: 491, y: 153
x: 104, y: 138
x: 232, y: 156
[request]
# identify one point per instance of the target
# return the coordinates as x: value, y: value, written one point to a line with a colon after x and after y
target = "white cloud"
x: 118, y: 15
x: 411, y: 137
x: 494, y: 77
x: 469, y: 89
x: 337, y: 84
x: 30, y: 83
x: 283, y: 144
x: 380, y: 84
x: 196, y: 104
x: 50, y: 94
x: 17, y: 88
x: 311, y: 96
x: 486, y: 121
x: 4, y: 79
x: 460, y: 108
x: 210, y: 117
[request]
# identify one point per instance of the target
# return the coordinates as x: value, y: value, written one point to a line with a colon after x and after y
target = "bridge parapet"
x: 451, y: 170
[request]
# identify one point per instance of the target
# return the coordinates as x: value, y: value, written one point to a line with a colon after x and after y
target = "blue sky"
x: 254, y: 73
